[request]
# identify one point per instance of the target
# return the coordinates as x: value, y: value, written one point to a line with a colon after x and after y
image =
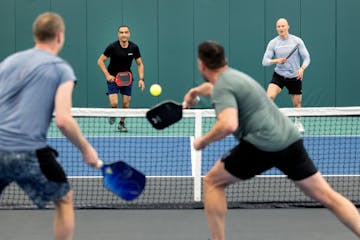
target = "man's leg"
x: 216, y: 180
x: 317, y: 188
x: 113, y: 100
x: 296, y: 100
x: 125, y: 104
x: 64, y: 218
x: 272, y: 91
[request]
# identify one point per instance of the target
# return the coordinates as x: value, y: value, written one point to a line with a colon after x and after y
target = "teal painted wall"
x: 169, y: 31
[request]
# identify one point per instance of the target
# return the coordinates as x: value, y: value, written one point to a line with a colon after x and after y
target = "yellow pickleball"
x: 155, y: 90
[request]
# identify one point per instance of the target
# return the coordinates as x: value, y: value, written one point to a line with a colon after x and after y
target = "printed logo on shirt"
x: 130, y: 54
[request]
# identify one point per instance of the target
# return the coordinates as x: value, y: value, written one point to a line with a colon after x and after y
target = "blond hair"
x: 46, y: 26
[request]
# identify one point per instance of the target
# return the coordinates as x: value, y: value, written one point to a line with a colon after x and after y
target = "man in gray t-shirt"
x: 33, y: 84
x: 267, y: 139
x: 261, y: 122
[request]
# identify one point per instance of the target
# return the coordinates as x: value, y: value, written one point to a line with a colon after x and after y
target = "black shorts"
x: 293, y: 85
x: 245, y: 161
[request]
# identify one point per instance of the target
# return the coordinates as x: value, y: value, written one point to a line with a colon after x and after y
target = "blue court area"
x: 171, y: 156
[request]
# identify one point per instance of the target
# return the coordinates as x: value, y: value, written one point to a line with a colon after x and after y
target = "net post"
x: 196, y: 157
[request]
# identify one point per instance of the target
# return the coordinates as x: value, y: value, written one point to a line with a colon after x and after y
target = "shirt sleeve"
x: 268, y: 55
x: 109, y: 50
x: 304, y: 53
x: 66, y: 73
x: 136, y: 52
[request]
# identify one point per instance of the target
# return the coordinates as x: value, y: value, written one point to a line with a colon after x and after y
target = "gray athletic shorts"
x: 37, y: 173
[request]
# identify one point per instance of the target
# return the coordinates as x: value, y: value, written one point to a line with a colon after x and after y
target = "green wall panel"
x: 25, y: 13
x: 176, y: 48
x: 103, y: 20
x: 75, y: 49
x: 7, y: 24
x: 318, y: 33
x: 168, y: 33
x: 144, y: 32
x: 348, y: 52
x: 247, y: 38
x: 211, y: 22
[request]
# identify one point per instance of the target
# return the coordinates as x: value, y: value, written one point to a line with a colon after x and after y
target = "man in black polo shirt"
x: 121, y: 54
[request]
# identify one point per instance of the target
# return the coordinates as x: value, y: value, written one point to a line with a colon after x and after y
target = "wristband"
x: 142, y: 79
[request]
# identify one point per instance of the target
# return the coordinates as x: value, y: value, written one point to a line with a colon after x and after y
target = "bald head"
x: 282, y: 27
x: 282, y: 21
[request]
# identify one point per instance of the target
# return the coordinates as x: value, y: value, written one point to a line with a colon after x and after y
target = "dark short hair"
x: 47, y: 25
x: 212, y: 54
x: 121, y: 26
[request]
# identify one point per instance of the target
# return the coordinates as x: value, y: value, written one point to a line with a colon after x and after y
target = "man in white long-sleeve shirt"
x: 289, y: 71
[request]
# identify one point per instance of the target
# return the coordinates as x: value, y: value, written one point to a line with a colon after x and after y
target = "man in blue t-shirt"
x: 289, y: 71
x: 33, y: 84
x: 121, y: 54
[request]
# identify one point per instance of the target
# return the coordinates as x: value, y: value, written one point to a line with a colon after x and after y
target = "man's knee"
x: 215, y: 178
x: 208, y: 180
x: 271, y: 96
x: 126, y: 104
x: 296, y: 100
x: 126, y: 101
x: 272, y: 91
x: 67, y: 199
x: 113, y: 104
x: 113, y: 100
x: 297, y: 105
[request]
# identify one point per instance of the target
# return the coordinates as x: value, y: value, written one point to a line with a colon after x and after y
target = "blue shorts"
x: 115, y: 89
x: 37, y: 173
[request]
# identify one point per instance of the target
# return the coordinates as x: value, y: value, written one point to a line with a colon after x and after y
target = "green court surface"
x: 139, y: 126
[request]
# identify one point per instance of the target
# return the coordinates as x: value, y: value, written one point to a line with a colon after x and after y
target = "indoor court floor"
x: 179, y: 224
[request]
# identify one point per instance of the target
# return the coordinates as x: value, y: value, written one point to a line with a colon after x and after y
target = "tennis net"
x: 175, y: 170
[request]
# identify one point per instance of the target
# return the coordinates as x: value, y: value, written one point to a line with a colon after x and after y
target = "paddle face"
x: 164, y: 114
x: 123, y: 79
x: 123, y: 180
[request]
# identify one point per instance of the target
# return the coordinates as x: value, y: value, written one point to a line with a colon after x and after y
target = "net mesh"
x: 175, y: 171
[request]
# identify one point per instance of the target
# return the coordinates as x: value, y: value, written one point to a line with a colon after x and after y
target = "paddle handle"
x: 196, y: 100
x: 100, y: 163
